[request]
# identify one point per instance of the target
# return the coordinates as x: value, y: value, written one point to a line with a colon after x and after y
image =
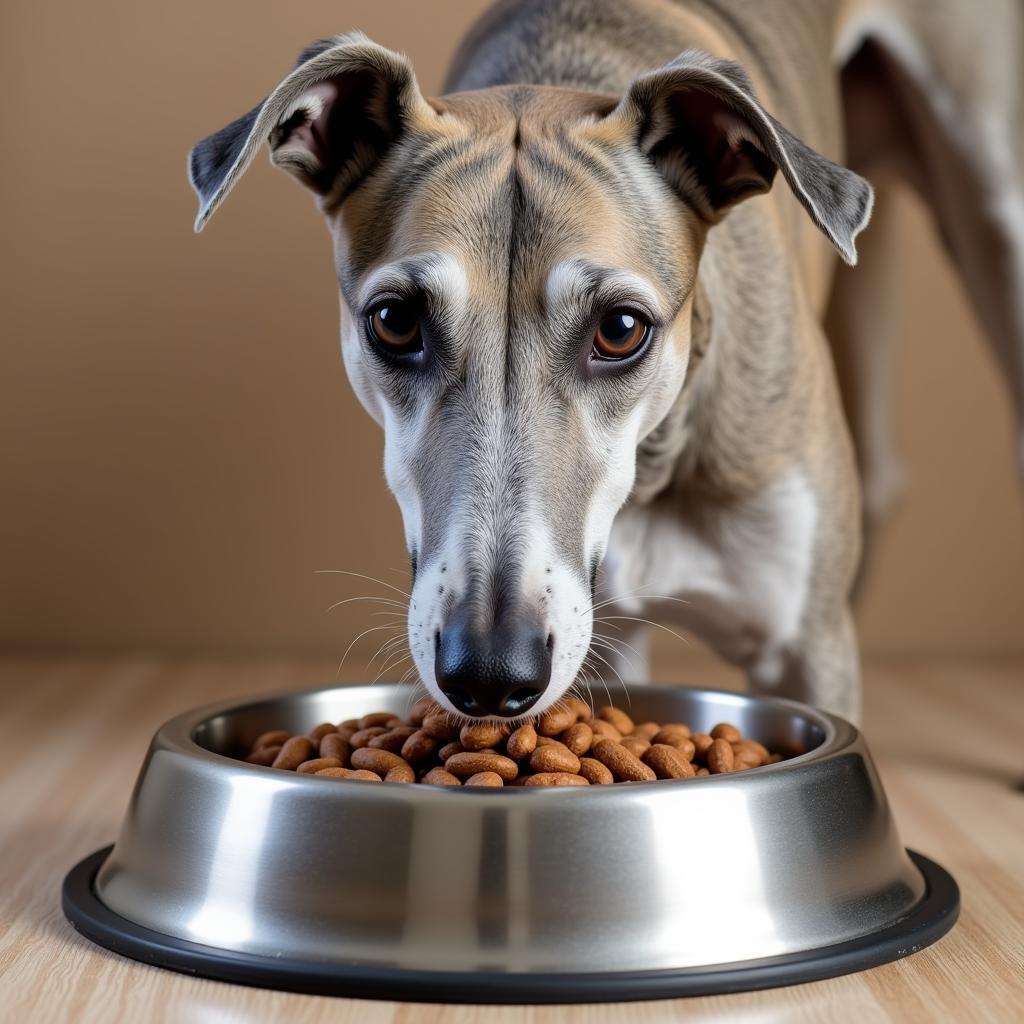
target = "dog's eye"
x: 620, y: 334
x: 395, y: 326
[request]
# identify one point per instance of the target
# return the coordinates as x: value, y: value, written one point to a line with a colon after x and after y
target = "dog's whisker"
x: 363, y: 576
x: 657, y: 625
x: 372, y: 629
x: 625, y: 689
x: 598, y: 675
x: 620, y: 641
x: 386, y: 649
x: 631, y: 593
x: 388, y: 666
x: 379, y: 600
x: 622, y: 595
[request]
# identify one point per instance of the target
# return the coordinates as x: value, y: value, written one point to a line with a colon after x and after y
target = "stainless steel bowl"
x: 781, y: 873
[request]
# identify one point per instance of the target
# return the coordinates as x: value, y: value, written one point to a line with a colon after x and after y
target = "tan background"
x: 179, y: 449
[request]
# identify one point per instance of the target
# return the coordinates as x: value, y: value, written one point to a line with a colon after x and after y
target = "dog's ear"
x: 327, y: 123
x: 698, y: 120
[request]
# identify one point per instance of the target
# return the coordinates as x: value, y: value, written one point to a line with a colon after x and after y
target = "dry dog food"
x: 567, y: 746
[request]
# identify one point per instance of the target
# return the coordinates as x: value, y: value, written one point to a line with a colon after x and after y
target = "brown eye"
x: 620, y: 334
x: 396, y: 326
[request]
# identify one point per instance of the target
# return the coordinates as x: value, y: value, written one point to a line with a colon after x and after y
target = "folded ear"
x: 327, y: 123
x: 698, y: 120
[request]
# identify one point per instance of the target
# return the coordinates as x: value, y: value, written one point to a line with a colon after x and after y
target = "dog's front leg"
x: 820, y: 667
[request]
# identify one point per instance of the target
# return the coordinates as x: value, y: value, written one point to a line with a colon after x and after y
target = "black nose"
x: 498, y: 671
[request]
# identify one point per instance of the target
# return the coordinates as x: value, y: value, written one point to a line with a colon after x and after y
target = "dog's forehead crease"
x: 541, y: 211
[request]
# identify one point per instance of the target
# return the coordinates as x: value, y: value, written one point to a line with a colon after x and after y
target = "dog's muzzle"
x: 499, y: 670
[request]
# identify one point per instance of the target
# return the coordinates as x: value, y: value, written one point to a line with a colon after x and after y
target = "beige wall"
x: 178, y: 446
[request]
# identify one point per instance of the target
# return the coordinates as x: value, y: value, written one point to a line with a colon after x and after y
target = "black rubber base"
x: 929, y: 921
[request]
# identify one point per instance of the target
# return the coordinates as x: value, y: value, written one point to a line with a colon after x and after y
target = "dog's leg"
x: 863, y: 326
x: 936, y: 95
x: 821, y: 668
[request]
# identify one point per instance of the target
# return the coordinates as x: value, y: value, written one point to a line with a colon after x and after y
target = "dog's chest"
x: 736, y: 574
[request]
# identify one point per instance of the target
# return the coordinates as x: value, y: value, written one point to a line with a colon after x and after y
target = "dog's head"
x: 517, y: 270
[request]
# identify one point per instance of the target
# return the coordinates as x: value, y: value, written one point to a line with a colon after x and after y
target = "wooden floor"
x: 949, y: 741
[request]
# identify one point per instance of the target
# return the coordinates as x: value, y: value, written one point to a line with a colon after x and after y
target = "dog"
x: 592, y: 329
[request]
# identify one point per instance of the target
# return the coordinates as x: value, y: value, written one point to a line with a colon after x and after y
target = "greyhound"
x: 592, y: 331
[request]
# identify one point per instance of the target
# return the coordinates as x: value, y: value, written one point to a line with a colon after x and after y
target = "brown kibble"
x: 293, y: 752
x: 672, y: 734
x: 556, y: 720
x: 595, y: 773
x: 491, y: 780
x: 423, y: 707
x: 382, y: 746
x: 264, y: 755
x: 349, y: 773
x: 617, y: 718
x: 440, y: 726
x: 522, y: 742
x: 646, y: 731
x: 418, y: 747
x: 685, y: 747
x: 362, y: 737
x: 555, y: 779
x: 720, y: 756
x: 724, y: 731
x: 481, y: 735
x: 667, y: 762
x: 605, y: 730
x: 274, y: 738
x: 554, y: 757
x: 470, y: 762
x: 450, y: 750
x: 317, y: 733
x: 745, y: 756
x: 752, y: 748
x: 315, y: 764
x: 581, y: 707
x: 335, y: 745
x: 578, y: 738
x: 400, y: 773
x: 626, y: 767
x: 376, y: 718
x: 635, y: 745
x: 701, y: 743
x: 394, y: 739
x: 379, y: 761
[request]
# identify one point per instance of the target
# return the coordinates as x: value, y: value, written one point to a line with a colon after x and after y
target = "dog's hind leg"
x: 952, y: 79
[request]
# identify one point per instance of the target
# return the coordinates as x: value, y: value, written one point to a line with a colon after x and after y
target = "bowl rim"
x: 177, y: 735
